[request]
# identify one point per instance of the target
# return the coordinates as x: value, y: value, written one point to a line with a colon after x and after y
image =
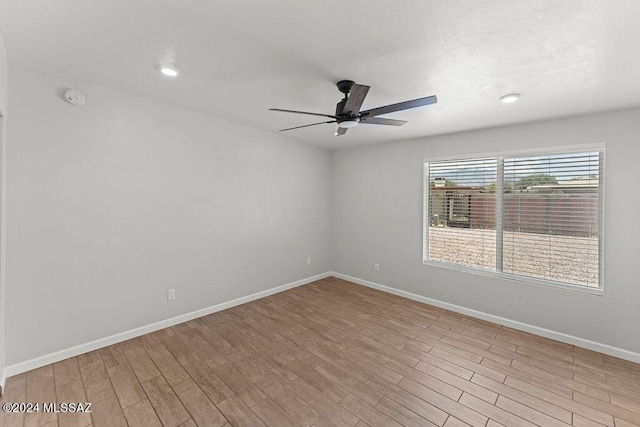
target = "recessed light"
x: 509, y: 98
x: 169, y: 70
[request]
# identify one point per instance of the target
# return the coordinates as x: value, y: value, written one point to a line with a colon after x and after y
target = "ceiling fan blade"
x: 305, y: 126
x: 420, y: 102
x: 355, y: 99
x: 341, y: 131
x: 302, y: 112
x: 381, y: 121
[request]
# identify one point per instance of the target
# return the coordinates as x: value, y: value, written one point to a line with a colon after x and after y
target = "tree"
x: 535, y: 179
x: 507, y: 187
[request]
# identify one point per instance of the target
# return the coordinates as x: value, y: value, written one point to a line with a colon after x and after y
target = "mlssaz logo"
x: 66, y: 407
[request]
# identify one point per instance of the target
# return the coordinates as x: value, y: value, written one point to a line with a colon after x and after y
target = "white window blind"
x: 529, y: 216
x: 551, y: 217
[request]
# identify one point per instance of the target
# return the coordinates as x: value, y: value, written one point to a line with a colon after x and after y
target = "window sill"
x: 514, y: 277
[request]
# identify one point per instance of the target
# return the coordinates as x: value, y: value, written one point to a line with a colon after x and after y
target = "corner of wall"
x: 332, y: 210
x: 3, y: 138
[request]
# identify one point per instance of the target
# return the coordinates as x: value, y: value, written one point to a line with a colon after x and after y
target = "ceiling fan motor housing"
x: 344, y: 86
x: 340, y: 106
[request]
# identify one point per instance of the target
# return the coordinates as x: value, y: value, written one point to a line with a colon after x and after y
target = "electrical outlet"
x: 171, y: 294
x: 376, y: 267
x: 308, y: 260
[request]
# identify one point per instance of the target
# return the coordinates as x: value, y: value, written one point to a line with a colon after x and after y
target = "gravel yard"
x: 555, y: 257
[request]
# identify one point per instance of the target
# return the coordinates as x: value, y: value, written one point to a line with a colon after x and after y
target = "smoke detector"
x: 74, y: 97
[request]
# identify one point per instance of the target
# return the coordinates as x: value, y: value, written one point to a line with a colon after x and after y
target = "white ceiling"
x: 240, y: 57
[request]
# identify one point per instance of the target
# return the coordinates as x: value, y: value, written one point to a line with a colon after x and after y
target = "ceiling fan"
x: 348, y: 112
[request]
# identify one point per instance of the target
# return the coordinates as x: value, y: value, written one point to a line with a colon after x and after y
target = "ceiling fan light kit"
x: 348, y: 114
x: 349, y: 123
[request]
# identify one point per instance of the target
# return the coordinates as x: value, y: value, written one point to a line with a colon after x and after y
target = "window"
x: 533, y: 217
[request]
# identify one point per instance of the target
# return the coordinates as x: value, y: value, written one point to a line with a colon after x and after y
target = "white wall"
x: 3, y: 113
x: 377, y: 193
x: 113, y: 203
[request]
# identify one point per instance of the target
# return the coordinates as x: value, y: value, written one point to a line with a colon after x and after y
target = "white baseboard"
x: 3, y: 378
x: 38, y: 362
x: 525, y: 327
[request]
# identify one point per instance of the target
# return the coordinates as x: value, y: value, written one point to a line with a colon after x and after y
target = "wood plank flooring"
x: 335, y: 353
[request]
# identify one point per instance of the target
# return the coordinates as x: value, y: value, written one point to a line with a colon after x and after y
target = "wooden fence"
x: 561, y: 214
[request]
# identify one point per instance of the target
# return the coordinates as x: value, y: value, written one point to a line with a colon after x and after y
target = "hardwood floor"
x: 335, y: 353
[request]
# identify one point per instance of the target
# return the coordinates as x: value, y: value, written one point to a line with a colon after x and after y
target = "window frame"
x: 509, y: 276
